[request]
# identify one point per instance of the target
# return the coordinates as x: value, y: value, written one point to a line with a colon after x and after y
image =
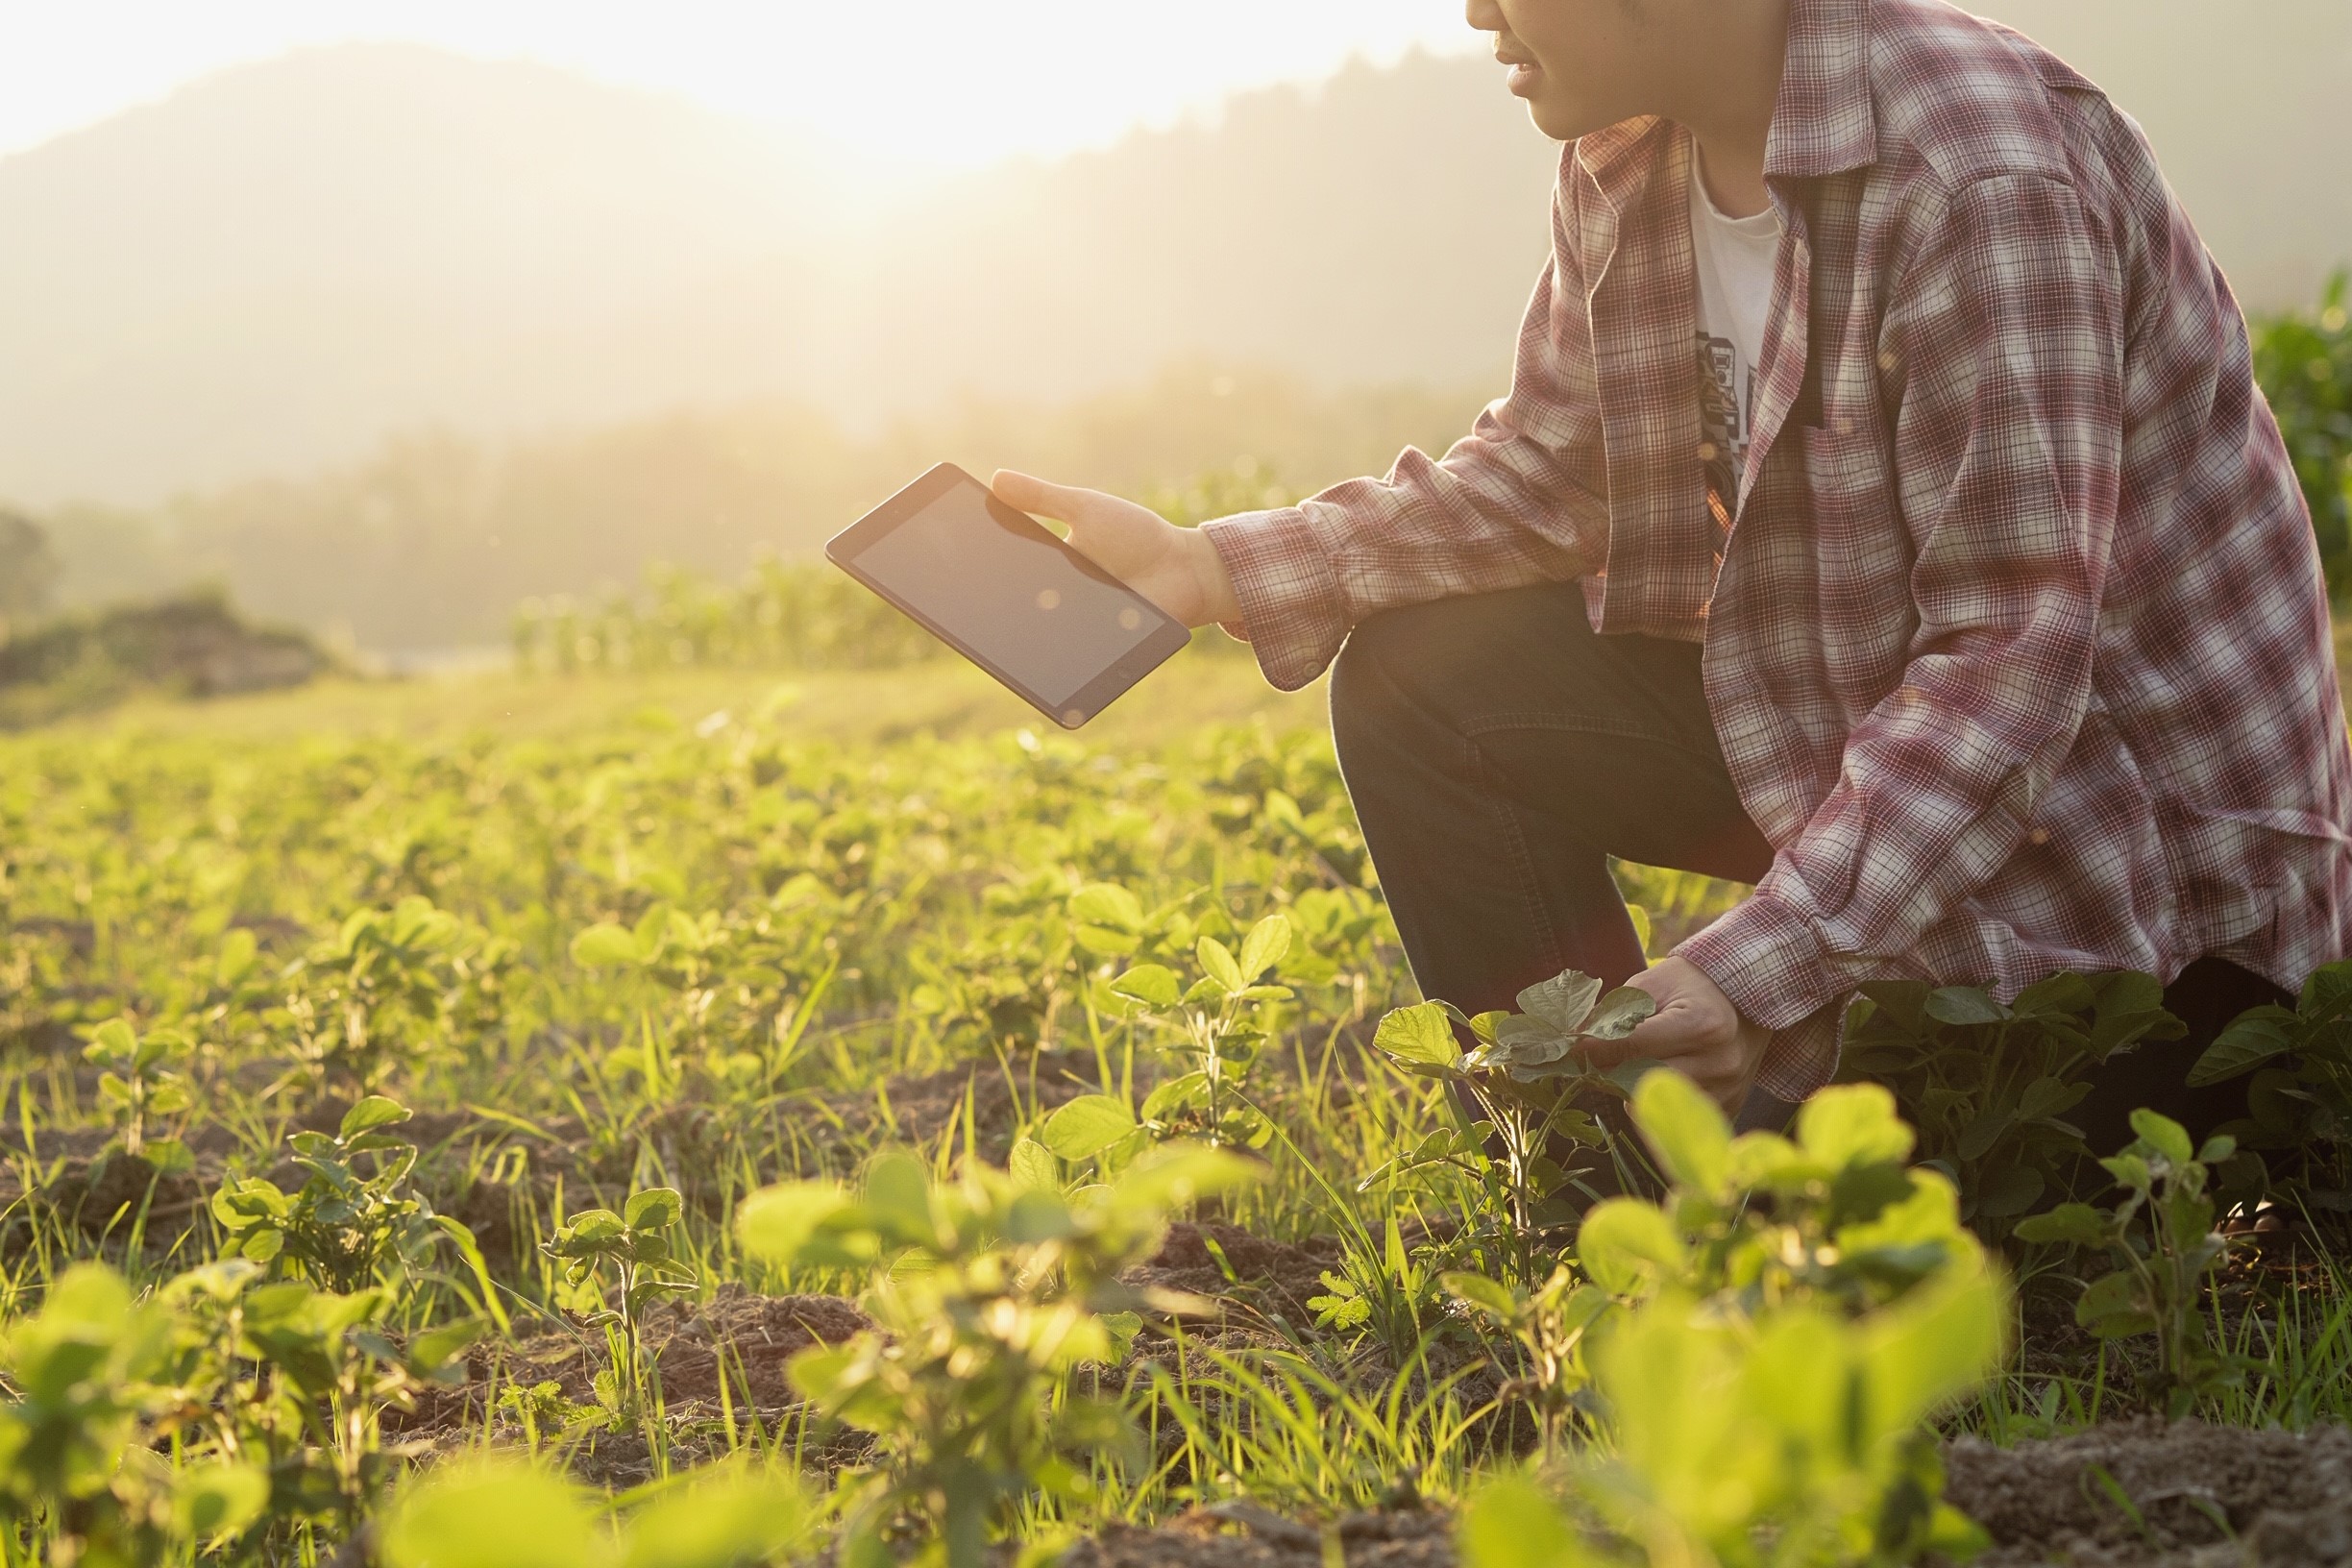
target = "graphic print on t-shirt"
x: 1722, y: 423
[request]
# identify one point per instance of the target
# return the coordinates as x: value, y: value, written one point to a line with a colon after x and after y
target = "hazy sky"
x: 957, y: 80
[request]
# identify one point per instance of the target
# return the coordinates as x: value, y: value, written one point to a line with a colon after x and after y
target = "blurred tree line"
x: 432, y: 541
x: 800, y: 615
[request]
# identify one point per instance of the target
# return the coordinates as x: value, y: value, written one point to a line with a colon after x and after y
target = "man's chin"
x: 1565, y: 122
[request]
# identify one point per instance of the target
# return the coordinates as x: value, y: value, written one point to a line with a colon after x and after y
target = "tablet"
x: 999, y: 588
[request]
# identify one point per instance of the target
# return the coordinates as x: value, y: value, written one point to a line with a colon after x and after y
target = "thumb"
x: 1061, y: 503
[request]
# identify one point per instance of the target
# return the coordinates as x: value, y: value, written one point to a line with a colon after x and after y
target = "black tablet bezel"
x: 1156, y: 648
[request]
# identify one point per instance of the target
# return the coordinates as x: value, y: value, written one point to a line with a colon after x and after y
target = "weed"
x: 2161, y: 1235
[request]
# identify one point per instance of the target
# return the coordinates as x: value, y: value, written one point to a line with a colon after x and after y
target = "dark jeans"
x: 1499, y: 753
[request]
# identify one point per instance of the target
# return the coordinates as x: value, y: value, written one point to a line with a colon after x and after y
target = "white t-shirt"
x: 1735, y: 287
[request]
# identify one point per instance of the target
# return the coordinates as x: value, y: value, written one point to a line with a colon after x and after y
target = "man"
x: 1882, y: 513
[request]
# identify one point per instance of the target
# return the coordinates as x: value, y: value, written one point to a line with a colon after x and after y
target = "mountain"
x: 278, y: 266
x: 274, y: 267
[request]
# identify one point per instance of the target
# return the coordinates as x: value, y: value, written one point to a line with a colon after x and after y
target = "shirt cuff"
x: 1768, y: 960
x: 1293, y: 615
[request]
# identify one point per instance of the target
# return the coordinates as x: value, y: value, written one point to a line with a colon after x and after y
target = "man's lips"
x: 1522, y: 70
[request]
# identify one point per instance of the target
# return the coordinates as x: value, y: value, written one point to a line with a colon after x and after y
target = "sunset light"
x: 1175, y: 783
x: 954, y: 82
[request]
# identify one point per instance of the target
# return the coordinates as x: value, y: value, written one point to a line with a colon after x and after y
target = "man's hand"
x: 1697, y: 1032
x: 1177, y: 569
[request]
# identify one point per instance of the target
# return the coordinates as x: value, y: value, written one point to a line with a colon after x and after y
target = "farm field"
x: 722, y: 1116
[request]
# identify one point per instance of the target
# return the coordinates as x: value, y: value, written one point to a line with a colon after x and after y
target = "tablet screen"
x: 1013, y: 596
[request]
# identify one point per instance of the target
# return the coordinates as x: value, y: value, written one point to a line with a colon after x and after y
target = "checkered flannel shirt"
x: 2016, y: 644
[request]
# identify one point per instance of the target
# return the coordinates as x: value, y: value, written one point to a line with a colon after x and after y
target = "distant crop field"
x: 700, y: 1116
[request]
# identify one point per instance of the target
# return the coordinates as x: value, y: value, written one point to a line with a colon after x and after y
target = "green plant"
x: 2161, y: 1235
x: 332, y: 1372
x: 1549, y: 1325
x: 347, y: 1225
x: 2299, y: 1099
x: 1215, y: 1022
x: 636, y: 1245
x: 374, y: 992
x: 493, y: 1513
x: 1988, y: 1084
x: 2304, y: 363
x: 1786, y: 1320
x: 1533, y: 1083
x: 988, y: 1294
x: 137, y: 1082
x: 80, y: 1386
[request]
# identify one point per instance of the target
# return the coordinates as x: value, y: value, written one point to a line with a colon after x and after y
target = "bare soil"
x: 2128, y: 1495
x: 2156, y: 1496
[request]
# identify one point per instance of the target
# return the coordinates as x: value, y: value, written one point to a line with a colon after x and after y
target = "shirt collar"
x: 1823, y: 121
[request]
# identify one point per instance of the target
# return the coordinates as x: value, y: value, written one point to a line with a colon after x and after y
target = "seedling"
x: 635, y: 1244
x: 374, y: 993
x: 353, y: 1221
x: 988, y: 1294
x: 1785, y: 1323
x: 140, y: 1082
x: 1216, y: 1024
x: 2161, y: 1235
x: 1530, y: 1075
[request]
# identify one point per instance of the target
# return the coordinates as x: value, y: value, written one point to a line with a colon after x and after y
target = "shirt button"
x: 2039, y: 835
x: 1845, y: 425
x: 1706, y: 451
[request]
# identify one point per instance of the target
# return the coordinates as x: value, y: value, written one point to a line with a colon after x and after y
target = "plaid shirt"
x: 2017, y: 645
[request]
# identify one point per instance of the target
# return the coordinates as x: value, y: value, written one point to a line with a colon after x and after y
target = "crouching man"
x: 1882, y: 513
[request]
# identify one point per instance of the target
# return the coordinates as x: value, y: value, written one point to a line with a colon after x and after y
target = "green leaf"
x: 1490, y: 1296
x: 1620, y: 1012
x: 2163, y: 1135
x: 1509, y: 1523
x: 776, y: 1222
x: 376, y: 1111
x: 491, y: 1516
x: 1087, y: 1125
x: 2011, y: 1190
x: 1852, y: 1124
x: 2252, y: 1038
x: 1267, y: 945
x: 1174, y: 1174
x: 218, y: 1500
x: 1965, y: 1005
x: 1110, y: 906
x: 751, y: 1516
x: 607, y: 946
x: 2111, y: 1308
x: 1564, y: 1001
x: 1687, y: 1129
x: 1033, y: 1168
x: 1628, y: 1247
x: 1154, y: 985
x: 1420, y: 1038
x: 655, y: 1209
x: 1217, y: 963
x: 112, y: 1041
x: 2078, y: 1224
x: 898, y: 1195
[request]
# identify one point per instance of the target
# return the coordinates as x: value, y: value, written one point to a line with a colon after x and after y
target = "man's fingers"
x: 1063, y: 503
